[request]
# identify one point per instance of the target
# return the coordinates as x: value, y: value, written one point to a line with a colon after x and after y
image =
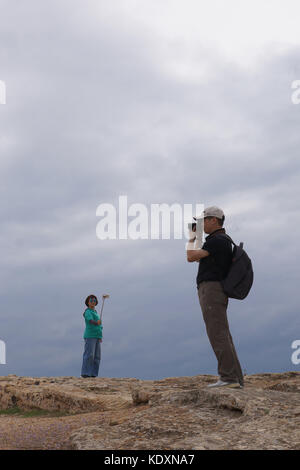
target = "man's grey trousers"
x: 214, y: 302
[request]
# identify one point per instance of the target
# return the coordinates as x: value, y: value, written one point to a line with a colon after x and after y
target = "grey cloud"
x: 93, y: 113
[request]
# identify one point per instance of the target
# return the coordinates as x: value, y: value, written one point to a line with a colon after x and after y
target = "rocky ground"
x: 170, y: 414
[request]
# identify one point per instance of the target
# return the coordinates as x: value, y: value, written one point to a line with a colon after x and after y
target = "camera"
x: 196, y: 231
x: 193, y: 226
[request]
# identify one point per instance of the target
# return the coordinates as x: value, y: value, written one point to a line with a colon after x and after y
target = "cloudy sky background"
x: 165, y: 102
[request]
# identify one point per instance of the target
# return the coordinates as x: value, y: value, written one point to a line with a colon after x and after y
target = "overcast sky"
x: 164, y: 102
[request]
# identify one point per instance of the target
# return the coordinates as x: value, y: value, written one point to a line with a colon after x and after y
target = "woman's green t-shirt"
x: 92, y: 331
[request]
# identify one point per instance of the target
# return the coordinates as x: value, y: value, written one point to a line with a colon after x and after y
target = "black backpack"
x: 239, y: 279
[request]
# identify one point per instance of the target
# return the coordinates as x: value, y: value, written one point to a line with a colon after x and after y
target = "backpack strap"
x: 230, y: 239
x: 224, y: 235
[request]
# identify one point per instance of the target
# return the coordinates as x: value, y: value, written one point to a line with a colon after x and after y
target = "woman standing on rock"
x: 93, y: 338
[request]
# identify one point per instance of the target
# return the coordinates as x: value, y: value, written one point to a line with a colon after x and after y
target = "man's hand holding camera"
x: 192, y: 253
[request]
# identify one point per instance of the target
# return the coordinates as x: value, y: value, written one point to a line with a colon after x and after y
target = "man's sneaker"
x: 221, y: 383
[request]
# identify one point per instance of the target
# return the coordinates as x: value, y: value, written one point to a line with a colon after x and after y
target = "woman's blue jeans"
x: 91, y: 357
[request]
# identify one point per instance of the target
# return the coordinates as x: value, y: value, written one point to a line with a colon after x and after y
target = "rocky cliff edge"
x: 169, y: 414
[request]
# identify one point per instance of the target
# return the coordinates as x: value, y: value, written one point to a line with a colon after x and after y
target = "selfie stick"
x: 104, y: 296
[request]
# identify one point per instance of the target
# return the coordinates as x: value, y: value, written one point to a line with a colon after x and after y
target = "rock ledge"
x: 169, y: 414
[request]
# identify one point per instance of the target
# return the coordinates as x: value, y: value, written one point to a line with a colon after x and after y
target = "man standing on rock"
x: 214, y: 259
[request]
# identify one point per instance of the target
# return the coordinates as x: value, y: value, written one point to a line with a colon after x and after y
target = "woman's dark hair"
x: 88, y: 298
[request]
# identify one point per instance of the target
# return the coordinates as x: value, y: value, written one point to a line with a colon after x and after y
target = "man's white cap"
x: 212, y: 211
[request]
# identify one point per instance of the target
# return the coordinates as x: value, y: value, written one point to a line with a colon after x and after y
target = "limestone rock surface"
x: 169, y: 414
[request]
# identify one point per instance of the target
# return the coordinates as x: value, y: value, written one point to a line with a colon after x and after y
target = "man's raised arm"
x: 196, y: 255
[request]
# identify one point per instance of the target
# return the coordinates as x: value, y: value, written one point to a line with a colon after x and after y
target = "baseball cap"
x: 213, y: 211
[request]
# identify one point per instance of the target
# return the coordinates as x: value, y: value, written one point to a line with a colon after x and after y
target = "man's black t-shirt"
x: 215, y: 267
